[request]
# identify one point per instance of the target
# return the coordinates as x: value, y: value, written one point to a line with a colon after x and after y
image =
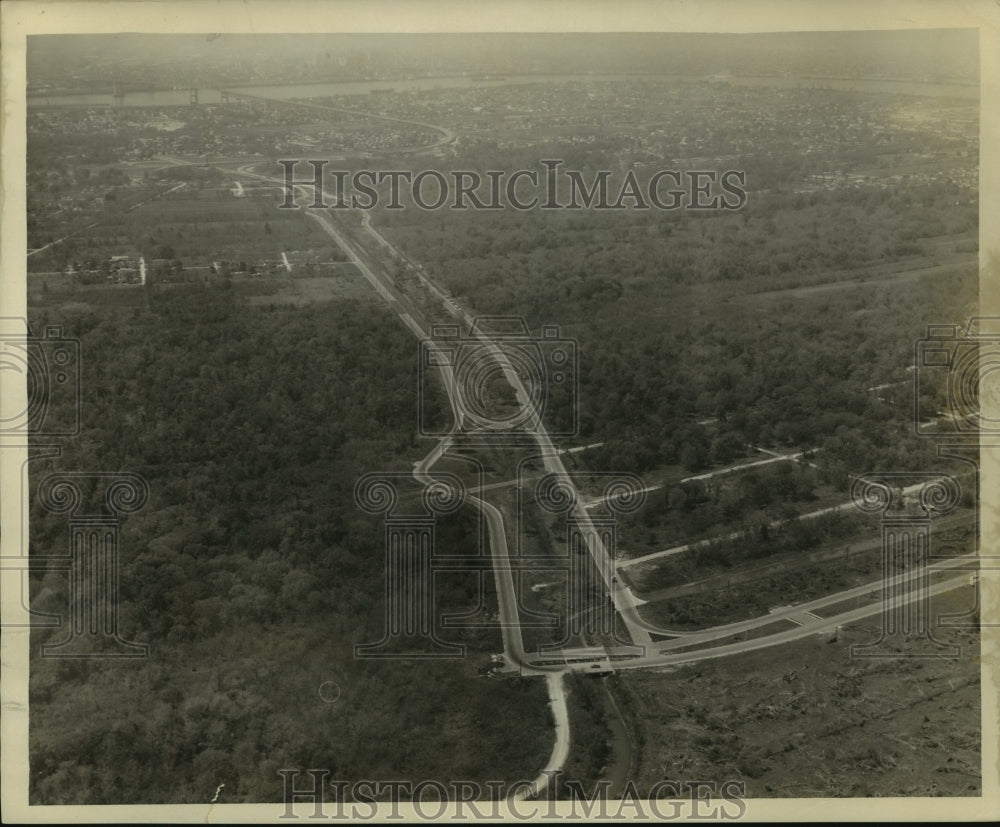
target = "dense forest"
x: 777, y: 337
x: 250, y: 572
x: 702, y: 339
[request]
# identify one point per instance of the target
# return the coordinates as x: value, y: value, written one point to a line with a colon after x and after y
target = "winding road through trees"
x: 658, y: 647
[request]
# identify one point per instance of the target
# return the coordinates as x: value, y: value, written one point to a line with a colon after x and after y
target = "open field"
x: 806, y: 719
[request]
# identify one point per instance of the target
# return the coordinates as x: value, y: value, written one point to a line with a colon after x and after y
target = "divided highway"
x: 652, y: 654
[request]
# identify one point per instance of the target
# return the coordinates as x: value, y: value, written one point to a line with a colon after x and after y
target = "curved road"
x: 624, y: 601
x: 560, y: 750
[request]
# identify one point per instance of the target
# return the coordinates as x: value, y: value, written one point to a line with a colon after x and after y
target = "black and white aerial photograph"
x: 500, y: 418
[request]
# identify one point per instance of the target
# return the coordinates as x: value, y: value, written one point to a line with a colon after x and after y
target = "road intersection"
x: 657, y: 647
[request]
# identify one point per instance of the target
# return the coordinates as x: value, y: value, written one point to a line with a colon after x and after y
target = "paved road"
x: 795, y: 457
x: 624, y: 601
x: 601, y: 500
x: 135, y: 206
x: 510, y: 626
x: 774, y: 458
x: 670, y: 552
x: 788, y: 562
x: 920, y: 270
x: 560, y: 750
x: 621, y: 596
x: 802, y: 617
x: 787, y: 612
x: 665, y: 658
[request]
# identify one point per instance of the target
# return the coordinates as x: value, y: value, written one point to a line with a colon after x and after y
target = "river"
x: 181, y: 97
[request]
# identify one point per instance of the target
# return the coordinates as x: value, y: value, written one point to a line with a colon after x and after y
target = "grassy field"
x: 194, y: 226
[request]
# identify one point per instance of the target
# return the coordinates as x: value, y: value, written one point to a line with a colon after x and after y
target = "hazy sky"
x: 916, y: 54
